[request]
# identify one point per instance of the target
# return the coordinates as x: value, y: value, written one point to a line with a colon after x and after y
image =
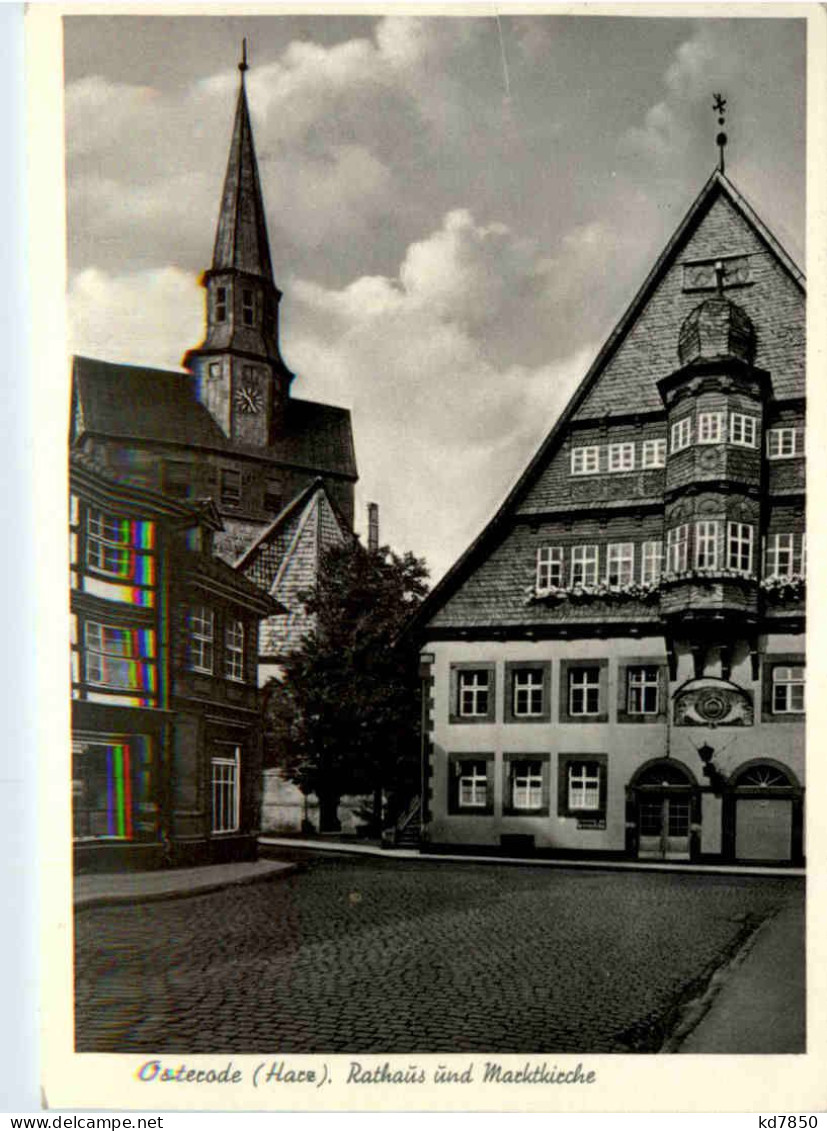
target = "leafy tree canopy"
x: 345, y: 717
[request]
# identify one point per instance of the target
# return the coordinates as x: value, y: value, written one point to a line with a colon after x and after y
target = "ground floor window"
x: 473, y: 785
x: 113, y: 788
x: 584, y: 786
x: 226, y: 800
x: 527, y: 785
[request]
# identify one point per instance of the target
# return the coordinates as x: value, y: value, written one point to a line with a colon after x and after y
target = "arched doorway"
x: 665, y: 811
x: 763, y: 814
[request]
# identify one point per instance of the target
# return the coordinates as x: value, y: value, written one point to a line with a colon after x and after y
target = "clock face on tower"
x: 248, y: 399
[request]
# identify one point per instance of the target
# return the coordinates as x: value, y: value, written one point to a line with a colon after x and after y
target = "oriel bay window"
x: 706, y: 545
x: 525, y: 785
x: 472, y: 693
x: 743, y: 430
x: 681, y: 434
x: 740, y: 537
x: 581, y: 785
x: 527, y: 695
x: 120, y: 658
x: 123, y: 549
x: 583, y: 691
x: 710, y: 427
x: 677, y: 548
x: 471, y: 784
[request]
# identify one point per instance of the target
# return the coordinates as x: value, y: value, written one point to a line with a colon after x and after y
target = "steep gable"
x: 285, y: 560
x: 490, y: 582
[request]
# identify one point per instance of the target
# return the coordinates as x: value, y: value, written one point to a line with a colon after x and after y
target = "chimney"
x: 373, y: 526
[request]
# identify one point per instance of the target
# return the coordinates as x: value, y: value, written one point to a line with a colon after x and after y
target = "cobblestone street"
x: 361, y: 955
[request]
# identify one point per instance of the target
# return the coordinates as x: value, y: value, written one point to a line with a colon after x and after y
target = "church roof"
x: 160, y: 406
x: 241, y: 242
x: 610, y: 389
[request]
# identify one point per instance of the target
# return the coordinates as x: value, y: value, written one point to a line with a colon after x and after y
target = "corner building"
x: 616, y: 666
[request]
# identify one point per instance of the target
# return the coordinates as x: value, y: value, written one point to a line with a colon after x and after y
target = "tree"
x: 345, y: 718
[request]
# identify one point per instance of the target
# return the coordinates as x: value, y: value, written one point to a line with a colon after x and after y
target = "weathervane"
x: 719, y: 106
x: 242, y: 66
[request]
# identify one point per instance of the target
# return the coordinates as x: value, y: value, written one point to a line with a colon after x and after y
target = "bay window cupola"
x: 241, y: 377
x: 715, y: 424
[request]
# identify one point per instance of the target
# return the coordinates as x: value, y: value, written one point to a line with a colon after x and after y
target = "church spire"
x: 241, y: 242
x: 242, y: 379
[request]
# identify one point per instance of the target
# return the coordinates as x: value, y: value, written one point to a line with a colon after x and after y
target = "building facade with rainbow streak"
x: 166, y: 744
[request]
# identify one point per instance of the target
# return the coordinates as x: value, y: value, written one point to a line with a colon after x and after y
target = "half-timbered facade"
x: 616, y: 666
x: 166, y: 735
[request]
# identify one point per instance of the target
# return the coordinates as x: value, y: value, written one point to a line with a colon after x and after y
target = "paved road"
x: 363, y: 955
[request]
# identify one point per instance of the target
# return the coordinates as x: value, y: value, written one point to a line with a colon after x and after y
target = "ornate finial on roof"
x: 242, y: 66
x: 719, y: 106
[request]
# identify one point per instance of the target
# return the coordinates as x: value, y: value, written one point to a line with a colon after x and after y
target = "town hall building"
x: 616, y: 666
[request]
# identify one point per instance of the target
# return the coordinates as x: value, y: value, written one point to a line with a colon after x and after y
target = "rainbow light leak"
x: 120, y: 767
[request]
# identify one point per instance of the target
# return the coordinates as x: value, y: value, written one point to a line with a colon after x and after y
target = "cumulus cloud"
x: 436, y: 415
x: 143, y: 317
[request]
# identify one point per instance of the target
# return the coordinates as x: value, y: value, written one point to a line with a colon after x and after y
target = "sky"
x: 459, y: 210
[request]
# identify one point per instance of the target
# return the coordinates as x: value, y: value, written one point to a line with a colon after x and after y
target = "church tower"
x: 241, y: 378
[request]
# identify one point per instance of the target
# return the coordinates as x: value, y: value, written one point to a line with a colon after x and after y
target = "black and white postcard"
x: 424, y: 556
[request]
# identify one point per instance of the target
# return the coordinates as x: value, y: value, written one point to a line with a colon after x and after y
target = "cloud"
x: 141, y: 318
x: 438, y: 416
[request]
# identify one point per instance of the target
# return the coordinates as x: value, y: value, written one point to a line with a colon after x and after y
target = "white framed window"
x: 740, y: 537
x: 706, y: 545
x: 472, y: 787
x: 226, y: 793
x: 788, y: 690
x: 584, y: 786
x: 584, y: 691
x: 234, y: 650
x: 585, y: 461
x: 584, y: 565
x: 677, y: 545
x: 119, y: 657
x: 779, y: 555
x: 201, y: 624
x: 681, y: 434
x: 710, y: 427
x: 527, y: 693
x: 621, y: 457
x: 108, y: 541
x: 549, y: 568
x: 527, y: 785
x: 651, y: 562
x: 473, y: 686
x: 620, y: 563
x: 643, y: 692
x: 654, y: 453
x: 782, y: 443
x: 743, y: 430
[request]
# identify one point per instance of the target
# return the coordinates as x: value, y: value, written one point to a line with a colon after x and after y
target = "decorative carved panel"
x: 700, y: 276
x: 713, y: 702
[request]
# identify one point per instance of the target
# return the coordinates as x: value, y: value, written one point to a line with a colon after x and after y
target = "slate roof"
x: 596, y: 397
x: 158, y: 405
